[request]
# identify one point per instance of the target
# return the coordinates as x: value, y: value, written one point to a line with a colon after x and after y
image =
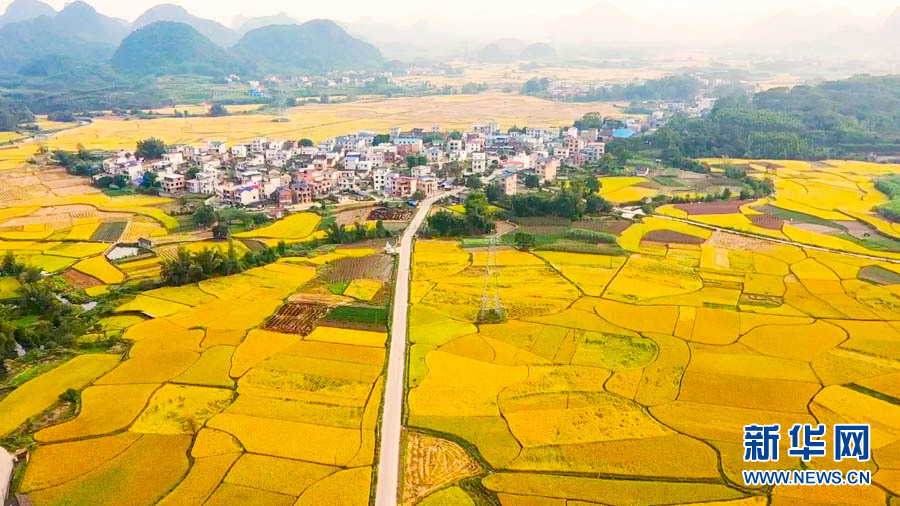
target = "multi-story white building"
x: 420, y: 171
x: 593, y: 152
x: 479, y: 163
x: 486, y: 128
x: 239, y: 151
x: 205, y: 182
x: 173, y: 159
x: 239, y: 195
x: 258, y: 145
x: 434, y: 154
x: 380, y: 179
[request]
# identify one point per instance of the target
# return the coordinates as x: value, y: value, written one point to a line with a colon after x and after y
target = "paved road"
x: 392, y: 417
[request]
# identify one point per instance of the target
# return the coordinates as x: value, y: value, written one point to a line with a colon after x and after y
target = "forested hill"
x: 318, y: 45
x: 166, y: 47
x: 851, y: 117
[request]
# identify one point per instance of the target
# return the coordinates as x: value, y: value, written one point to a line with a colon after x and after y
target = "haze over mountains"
x: 167, y: 39
x: 32, y: 28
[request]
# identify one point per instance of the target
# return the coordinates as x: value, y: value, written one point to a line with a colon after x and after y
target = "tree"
x: 535, y: 86
x: 416, y: 160
x: 218, y: 110
x: 532, y: 181
x: 418, y: 195
x: 524, y: 240
x: 592, y: 184
x: 205, y: 216
x: 150, y: 149
x: 231, y: 263
x: 149, y: 182
x: 120, y: 181
x: 474, y: 183
x: 180, y: 269
x: 492, y: 192
x: 9, y: 266
x: 221, y: 231
x: 594, y: 204
x: 208, y: 260
x: 306, y: 143
x: 381, y: 139
x: 7, y: 335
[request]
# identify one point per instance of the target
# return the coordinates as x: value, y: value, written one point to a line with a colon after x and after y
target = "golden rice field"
x: 623, y: 190
x: 627, y: 380
x: 824, y: 204
x: 207, y: 407
x: 49, y: 219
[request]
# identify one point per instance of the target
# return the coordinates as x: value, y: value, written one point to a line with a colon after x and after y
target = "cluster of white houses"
x: 281, y: 172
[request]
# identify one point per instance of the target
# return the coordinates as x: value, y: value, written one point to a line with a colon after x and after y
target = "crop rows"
x: 296, y: 318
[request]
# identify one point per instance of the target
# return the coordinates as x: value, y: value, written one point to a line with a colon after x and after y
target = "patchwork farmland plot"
x: 296, y: 318
x: 643, y: 370
x: 110, y: 231
x: 614, y: 379
x: 228, y: 393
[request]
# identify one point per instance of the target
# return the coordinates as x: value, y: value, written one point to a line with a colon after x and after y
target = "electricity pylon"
x: 491, y: 306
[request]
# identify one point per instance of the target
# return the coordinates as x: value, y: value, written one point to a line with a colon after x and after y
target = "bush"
x: 70, y: 395
x: 581, y: 234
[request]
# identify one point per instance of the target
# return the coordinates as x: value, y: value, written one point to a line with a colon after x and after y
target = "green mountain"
x: 166, y: 47
x: 315, y: 46
x: 25, y: 41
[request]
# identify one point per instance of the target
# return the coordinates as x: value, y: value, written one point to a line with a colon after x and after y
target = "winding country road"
x: 392, y: 415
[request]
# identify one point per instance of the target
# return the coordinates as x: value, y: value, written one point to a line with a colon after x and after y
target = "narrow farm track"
x: 392, y: 415
x: 779, y: 241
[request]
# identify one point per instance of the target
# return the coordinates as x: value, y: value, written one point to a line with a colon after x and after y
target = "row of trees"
x: 890, y: 186
x: 187, y: 267
x: 681, y: 88
x: 338, y: 234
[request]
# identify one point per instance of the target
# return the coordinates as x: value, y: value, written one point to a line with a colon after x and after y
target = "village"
x: 402, y: 165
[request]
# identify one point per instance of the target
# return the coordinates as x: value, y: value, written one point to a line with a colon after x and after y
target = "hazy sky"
x: 411, y: 10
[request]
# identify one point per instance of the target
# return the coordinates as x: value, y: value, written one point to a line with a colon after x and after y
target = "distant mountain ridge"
x: 78, y: 19
x: 316, y: 45
x: 214, y: 31
x: 32, y: 33
x: 243, y: 25
x: 25, y: 41
x: 26, y: 10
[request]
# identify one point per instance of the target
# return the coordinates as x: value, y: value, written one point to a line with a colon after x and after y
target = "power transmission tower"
x: 281, y: 100
x: 491, y: 306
